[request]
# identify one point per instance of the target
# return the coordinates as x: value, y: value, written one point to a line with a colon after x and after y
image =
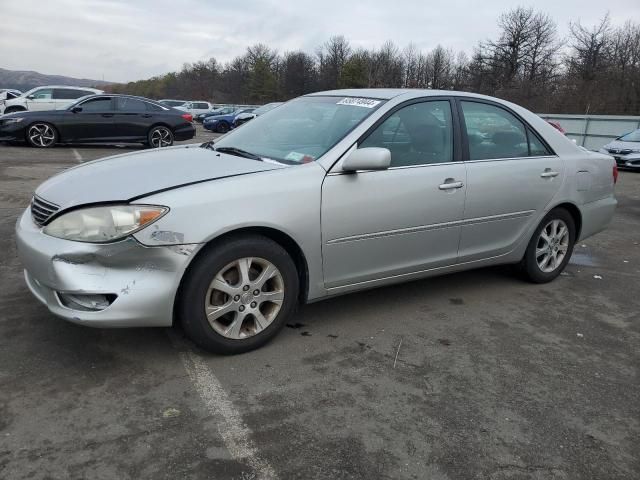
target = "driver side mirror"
x: 369, y: 158
x: 31, y: 97
x: 76, y: 109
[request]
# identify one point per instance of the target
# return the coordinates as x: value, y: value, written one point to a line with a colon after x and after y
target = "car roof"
x: 68, y: 86
x: 122, y: 95
x: 389, y: 93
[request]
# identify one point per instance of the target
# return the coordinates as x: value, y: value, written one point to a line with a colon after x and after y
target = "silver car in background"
x: 330, y: 193
x: 625, y: 150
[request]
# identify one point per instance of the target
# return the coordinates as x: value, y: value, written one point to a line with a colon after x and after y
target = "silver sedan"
x: 330, y: 193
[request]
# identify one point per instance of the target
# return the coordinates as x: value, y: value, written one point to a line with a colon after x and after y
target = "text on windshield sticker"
x: 359, y: 102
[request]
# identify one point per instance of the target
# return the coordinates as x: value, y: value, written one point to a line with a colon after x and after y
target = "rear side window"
x: 152, y: 107
x: 200, y: 106
x: 536, y: 147
x: 132, y: 105
x: 418, y: 134
x: 494, y: 132
x: 102, y: 104
x: 69, y: 93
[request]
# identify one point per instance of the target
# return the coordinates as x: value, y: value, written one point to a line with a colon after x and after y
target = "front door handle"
x: 449, y: 185
x: 146, y: 115
x: 548, y: 173
x: 107, y: 115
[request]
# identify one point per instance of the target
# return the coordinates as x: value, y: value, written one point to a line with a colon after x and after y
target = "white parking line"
x: 235, y: 434
x: 76, y: 154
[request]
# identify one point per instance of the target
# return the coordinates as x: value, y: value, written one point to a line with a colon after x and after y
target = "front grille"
x: 41, y: 210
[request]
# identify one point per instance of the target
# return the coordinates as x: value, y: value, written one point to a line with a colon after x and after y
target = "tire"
x: 216, y: 309
x: 41, y: 135
x: 545, y: 259
x: 160, y: 136
x: 222, y: 127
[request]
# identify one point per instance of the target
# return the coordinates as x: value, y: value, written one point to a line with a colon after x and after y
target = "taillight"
x: 187, y: 116
x: 615, y: 173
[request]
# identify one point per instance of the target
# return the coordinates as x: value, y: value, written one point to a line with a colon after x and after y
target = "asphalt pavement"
x: 476, y: 375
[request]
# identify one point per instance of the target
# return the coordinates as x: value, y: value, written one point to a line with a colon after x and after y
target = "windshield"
x: 80, y: 100
x: 631, y: 137
x: 301, y: 130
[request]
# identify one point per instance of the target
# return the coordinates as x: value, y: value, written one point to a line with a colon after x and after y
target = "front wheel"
x: 159, y: 137
x: 238, y: 295
x: 223, y: 127
x: 42, y: 135
x: 551, y: 247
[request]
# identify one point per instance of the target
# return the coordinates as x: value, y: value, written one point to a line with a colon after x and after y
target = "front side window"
x: 493, y: 132
x: 201, y: 106
x: 418, y: 134
x: 43, y: 94
x: 302, y: 130
x: 102, y: 104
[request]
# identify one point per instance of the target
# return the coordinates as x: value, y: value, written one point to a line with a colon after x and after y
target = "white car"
x: 52, y: 97
x: 196, y: 107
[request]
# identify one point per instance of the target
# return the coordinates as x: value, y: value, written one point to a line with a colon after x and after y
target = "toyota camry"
x: 330, y: 193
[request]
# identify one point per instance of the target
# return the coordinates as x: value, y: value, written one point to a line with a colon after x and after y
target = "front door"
x: 512, y: 176
x: 41, y: 100
x: 390, y: 223
x: 94, y: 122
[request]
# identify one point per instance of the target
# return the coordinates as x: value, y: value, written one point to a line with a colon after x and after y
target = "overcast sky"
x: 129, y: 40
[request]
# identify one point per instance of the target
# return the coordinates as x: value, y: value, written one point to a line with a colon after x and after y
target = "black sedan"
x: 100, y: 119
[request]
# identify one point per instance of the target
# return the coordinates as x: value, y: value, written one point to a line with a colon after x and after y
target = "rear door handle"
x: 450, y: 185
x: 107, y: 115
x: 147, y: 115
x: 548, y: 173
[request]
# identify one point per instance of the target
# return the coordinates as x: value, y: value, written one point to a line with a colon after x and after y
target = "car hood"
x: 134, y: 175
x: 38, y: 113
x: 620, y: 145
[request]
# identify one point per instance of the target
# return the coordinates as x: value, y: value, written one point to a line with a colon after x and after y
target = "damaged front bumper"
x: 120, y: 284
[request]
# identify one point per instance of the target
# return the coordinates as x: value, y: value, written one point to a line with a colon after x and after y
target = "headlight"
x: 104, y: 224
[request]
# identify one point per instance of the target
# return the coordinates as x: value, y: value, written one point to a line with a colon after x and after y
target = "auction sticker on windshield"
x: 359, y: 102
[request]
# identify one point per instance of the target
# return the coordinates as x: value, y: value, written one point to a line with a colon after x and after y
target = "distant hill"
x: 25, y: 80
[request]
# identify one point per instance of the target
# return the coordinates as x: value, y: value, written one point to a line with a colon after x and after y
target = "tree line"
x: 595, y: 69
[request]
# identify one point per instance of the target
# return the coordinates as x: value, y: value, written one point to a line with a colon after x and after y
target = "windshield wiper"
x: 208, y: 145
x: 238, y: 152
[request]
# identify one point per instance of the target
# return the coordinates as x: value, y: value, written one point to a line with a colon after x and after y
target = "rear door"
x: 40, y: 100
x: 94, y: 122
x: 132, y: 118
x: 512, y: 176
x: 395, y: 222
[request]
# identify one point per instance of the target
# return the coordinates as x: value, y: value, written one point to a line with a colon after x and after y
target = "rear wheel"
x: 42, y: 135
x: 550, y: 247
x: 238, y: 295
x: 160, y: 136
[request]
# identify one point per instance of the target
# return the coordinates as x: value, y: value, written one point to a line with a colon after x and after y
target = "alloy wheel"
x: 244, y: 297
x: 161, y: 137
x: 552, y: 245
x: 41, y: 135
